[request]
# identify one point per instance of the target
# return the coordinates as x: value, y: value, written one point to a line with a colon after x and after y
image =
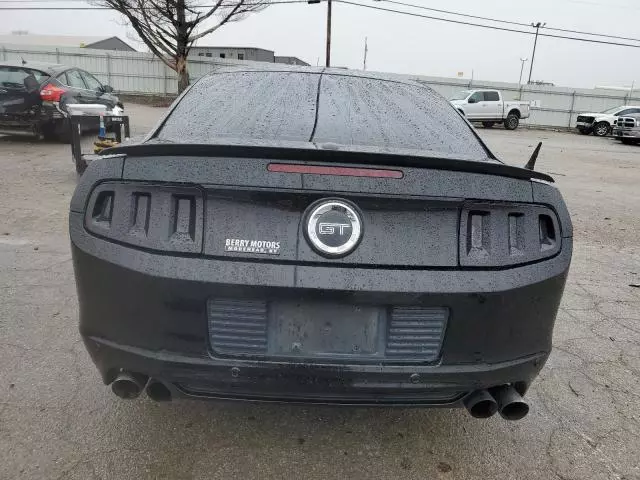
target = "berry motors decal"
x: 251, y: 246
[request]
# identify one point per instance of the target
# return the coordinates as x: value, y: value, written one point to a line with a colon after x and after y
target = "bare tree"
x: 170, y: 27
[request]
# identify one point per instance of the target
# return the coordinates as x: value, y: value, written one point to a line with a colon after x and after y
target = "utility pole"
x: 328, y: 59
x: 537, y: 26
x: 523, y: 60
x: 328, y: 62
x: 366, y: 49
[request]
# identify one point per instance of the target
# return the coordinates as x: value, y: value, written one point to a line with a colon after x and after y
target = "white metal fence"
x: 552, y: 106
x: 143, y: 73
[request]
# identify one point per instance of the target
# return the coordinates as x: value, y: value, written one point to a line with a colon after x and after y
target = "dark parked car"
x: 308, y: 235
x: 34, y: 96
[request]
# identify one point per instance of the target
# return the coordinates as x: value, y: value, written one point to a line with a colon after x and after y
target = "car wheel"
x: 601, y: 129
x: 488, y: 124
x: 512, y: 121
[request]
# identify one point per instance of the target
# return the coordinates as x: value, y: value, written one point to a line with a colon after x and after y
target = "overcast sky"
x: 403, y: 44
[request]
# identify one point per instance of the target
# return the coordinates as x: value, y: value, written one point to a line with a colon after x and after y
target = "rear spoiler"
x: 338, y: 155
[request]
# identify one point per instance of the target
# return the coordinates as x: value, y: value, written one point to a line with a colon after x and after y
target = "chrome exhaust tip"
x: 128, y: 385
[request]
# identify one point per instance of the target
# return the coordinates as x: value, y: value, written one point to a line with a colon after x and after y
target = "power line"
x: 507, y: 22
x: 492, y: 27
x: 607, y: 5
x: 255, y: 4
x: 421, y: 7
x: 285, y: 2
x: 90, y: 1
x: 449, y: 20
x: 592, y: 34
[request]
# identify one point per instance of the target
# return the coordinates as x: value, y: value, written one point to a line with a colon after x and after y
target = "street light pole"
x: 535, y: 42
x: 328, y: 60
x: 523, y: 60
x: 366, y: 50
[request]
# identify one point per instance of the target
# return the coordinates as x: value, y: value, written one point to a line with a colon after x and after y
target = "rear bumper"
x: 147, y: 313
x: 30, y: 130
x: 30, y: 123
x: 206, y: 377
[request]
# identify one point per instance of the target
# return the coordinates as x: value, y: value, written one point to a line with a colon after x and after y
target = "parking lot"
x: 58, y: 421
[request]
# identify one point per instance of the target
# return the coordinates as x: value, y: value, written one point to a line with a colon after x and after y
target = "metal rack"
x: 118, y: 123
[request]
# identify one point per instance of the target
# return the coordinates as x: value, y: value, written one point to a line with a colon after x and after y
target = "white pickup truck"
x: 488, y: 107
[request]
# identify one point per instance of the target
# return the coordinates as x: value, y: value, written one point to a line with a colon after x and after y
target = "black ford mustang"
x: 310, y: 235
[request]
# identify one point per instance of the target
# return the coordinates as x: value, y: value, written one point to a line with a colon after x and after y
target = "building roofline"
x: 233, y: 47
x: 88, y: 45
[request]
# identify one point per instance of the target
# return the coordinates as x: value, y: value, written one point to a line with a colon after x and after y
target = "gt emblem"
x: 333, y: 227
x: 330, y: 228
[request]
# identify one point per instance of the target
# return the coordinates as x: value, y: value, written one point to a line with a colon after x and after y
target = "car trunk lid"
x: 410, y: 215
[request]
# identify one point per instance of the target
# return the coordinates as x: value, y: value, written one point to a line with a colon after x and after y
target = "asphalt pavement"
x: 58, y: 421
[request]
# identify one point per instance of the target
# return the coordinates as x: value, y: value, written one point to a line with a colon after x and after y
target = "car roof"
x: 345, y: 72
x: 50, y: 68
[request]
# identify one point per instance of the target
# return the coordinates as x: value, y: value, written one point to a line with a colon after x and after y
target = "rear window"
x: 20, y: 78
x: 251, y: 105
x: 387, y: 114
x: 491, y: 97
x: 352, y: 110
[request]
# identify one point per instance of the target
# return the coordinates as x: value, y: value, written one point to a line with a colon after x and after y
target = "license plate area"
x: 325, y: 330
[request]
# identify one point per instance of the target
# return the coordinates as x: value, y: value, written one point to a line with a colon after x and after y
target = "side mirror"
x: 472, y: 100
x: 107, y: 88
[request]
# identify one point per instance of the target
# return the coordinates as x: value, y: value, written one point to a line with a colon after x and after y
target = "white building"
x: 242, y: 53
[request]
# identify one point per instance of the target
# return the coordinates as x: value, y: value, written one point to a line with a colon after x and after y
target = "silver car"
x: 627, y: 128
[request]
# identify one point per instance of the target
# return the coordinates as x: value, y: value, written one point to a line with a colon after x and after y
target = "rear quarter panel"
x: 522, y: 107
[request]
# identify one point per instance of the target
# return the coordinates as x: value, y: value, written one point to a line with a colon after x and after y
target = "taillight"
x: 52, y: 93
x: 164, y: 218
x: 503, y: 235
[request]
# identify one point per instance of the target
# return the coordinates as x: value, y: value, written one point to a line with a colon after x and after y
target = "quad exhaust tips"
x: 504, y: 399
x: 480, y: 403
x: 511, y: 405
x: 129, y: 385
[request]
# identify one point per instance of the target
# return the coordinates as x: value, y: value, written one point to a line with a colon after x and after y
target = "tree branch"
x: 201, y: 18
x: 167, y: 27
x: 224, y: 20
